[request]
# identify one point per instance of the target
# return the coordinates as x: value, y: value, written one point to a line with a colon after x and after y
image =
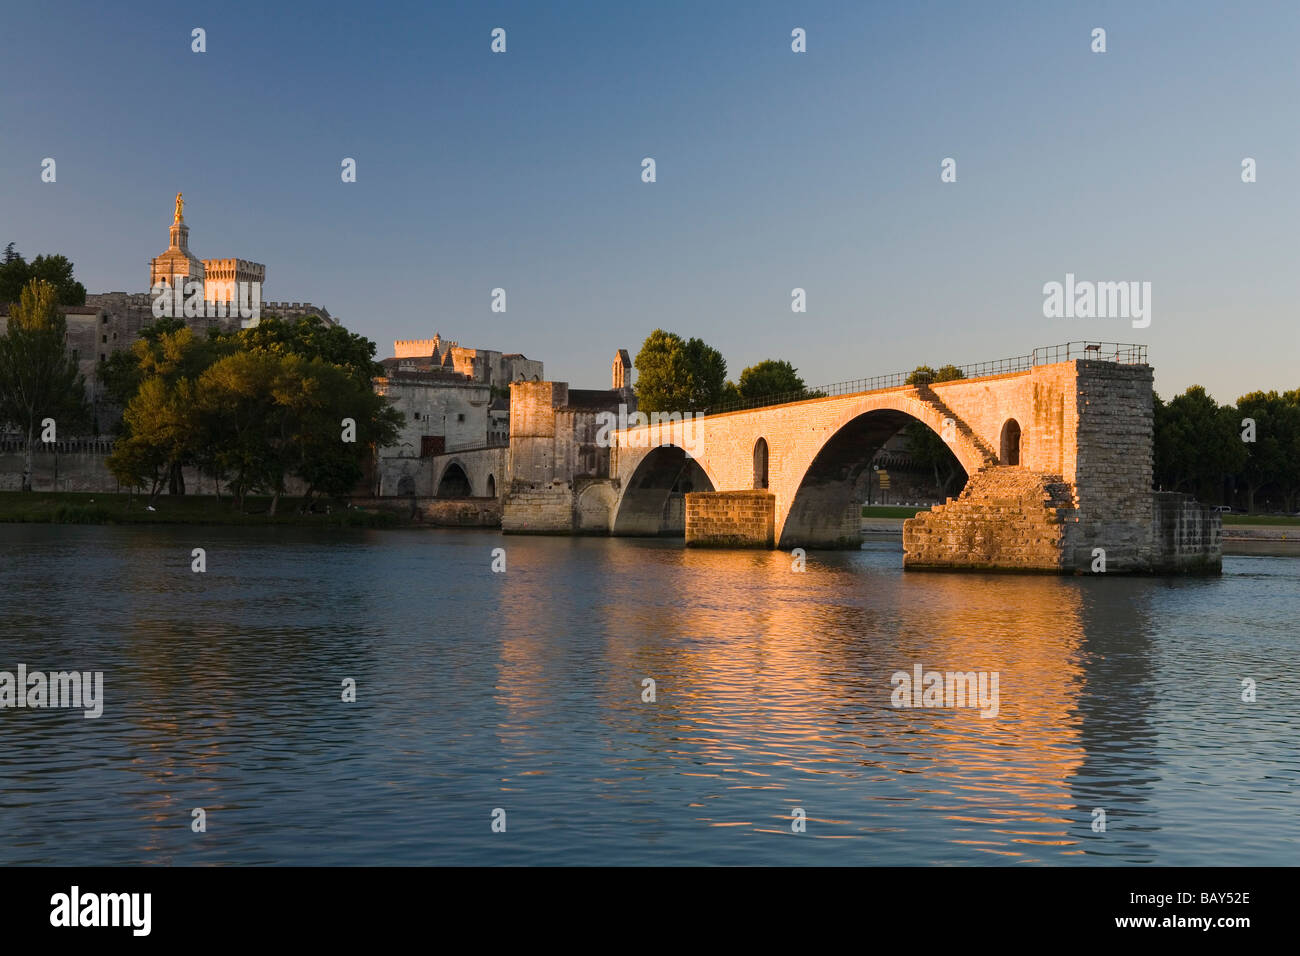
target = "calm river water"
x: 523, y: 691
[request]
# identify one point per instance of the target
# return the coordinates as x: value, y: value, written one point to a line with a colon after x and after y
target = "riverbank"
x: 70, y: 507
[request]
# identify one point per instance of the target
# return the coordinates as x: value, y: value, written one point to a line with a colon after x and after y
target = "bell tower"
x: 177, y: 260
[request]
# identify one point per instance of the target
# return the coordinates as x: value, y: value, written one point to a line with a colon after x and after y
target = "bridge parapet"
x: 1119, y: 352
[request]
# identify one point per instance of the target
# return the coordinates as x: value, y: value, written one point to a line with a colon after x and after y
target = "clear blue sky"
x: 775, y: 170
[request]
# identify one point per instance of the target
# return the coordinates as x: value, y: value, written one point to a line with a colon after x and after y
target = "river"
x: 771, y: 738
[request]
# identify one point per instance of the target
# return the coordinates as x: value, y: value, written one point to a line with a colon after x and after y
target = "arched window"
x: 492, y: 486
x: 760, y: 463
x: 1009, y: 453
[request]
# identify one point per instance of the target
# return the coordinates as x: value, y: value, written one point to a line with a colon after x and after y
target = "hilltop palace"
x: 111, y: 321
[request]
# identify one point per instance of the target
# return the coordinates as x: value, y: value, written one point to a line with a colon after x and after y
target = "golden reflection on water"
x: 772, y: 688
x: 766, y: 677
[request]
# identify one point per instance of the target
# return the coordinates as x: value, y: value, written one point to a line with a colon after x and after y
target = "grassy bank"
x: 1261, y: 519
x: 67, y: 507
x: 891, y: 511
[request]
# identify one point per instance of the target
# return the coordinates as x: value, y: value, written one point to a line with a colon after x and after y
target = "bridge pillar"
x: 1097, y: 514
x: 730, y: 519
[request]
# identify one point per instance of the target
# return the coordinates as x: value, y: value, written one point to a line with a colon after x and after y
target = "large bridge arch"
x: 656, y: 475
x: 815, y: 491
x: 823, y: 507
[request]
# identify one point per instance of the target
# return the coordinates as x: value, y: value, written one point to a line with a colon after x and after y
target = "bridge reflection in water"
x: 775, y: 682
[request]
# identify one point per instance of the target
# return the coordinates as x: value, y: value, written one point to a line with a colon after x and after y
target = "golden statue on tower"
x: 180, y: 209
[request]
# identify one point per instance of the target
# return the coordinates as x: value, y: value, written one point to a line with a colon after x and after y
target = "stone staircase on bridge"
x: 982, y: 449
x: 1006, y: 519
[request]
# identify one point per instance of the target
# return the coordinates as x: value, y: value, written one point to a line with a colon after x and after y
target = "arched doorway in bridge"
x: 1009, y: 452
x: 492, y: 486
x: 454, y: 482
x: 760, y: 464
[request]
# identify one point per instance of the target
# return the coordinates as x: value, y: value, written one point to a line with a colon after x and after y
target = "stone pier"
x: 1098, y: 514
x: 730, y: 519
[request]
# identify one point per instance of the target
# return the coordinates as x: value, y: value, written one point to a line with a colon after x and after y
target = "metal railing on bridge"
x: 1119, y: 352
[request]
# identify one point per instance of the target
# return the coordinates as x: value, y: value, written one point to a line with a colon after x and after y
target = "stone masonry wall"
x: 1113, y: 461
x: 440, y: 512
x: 543, y: 509
x: 730, y: 519
x: 1188, y: 536
x: 82, y: 465
x: 1006, y: 519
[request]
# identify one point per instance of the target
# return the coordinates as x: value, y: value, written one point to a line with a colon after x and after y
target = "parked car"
x: 1223, y: 509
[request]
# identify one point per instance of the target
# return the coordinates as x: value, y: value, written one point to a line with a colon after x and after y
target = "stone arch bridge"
x: 1057, y: 446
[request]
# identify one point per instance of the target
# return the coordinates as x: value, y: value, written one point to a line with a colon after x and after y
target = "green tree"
x: 311, y: 338
x: 1267, y: 456
x: 14, y: 275
x: 770, y: 378
x: 245, y: 428
x: 57, y: 271
x: 1197, y: 444
x: 160, y: 427
x: 123, y: 371
x: 320, y: 457
x: 155, y: 385
x: 251, y: 408
x: 1290, y: 480
x: 678, y: 376
x: 925, y: 446
x: 16, y: 272
x: 38, y: 379
x: 271, y: 415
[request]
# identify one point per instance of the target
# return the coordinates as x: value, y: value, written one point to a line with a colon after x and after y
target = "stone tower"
x: 220, y: 277
x: 177, y: 260
x: 622, y: 371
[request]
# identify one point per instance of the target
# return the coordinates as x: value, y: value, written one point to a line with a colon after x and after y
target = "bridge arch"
x: 453, y: 482
x: 662, y: 473
x: 821, y: 500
